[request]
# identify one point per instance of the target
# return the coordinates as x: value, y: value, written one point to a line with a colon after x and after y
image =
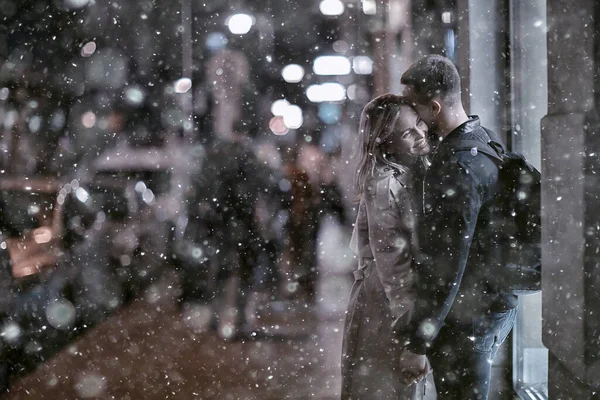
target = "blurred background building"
x: 93, y: 88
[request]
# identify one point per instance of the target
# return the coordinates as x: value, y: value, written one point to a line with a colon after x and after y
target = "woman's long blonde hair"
x: 377, y: 123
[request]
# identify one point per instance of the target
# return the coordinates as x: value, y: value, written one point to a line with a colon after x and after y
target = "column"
x: 381, y: 37
x: 482, y: 43
x: 399, y: 25
x: 571, y: 203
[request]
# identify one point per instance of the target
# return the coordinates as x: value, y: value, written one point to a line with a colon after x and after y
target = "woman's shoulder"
x: 387, y: 185
x: 391, y: 176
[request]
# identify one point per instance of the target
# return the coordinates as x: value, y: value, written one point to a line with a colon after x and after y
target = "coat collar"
x: 470, y: 126
x: 469, y: 130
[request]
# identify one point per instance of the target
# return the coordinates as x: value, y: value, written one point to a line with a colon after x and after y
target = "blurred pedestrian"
x: 271, y: 217
x: 314, y: 192
x: 302, y: 228
x: 227, y: 193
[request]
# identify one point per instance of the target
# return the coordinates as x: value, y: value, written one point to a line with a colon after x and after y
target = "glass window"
x: 530, y: 103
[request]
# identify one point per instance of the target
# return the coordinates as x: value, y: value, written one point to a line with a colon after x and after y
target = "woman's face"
x: 410, y: 134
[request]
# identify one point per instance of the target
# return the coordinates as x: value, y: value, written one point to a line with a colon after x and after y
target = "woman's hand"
x: 413, y: 367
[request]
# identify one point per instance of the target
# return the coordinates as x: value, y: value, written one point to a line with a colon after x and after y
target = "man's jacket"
x: 456, y: 279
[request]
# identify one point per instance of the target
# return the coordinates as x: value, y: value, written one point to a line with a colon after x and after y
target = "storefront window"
x: 530, y: 101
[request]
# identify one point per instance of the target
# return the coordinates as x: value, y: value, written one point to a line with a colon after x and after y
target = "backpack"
x: 515, y: 224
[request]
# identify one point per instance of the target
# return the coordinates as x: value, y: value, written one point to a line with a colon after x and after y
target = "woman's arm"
x: 392, y: 239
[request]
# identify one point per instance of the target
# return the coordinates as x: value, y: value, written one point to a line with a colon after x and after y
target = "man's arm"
x: 447, y: 233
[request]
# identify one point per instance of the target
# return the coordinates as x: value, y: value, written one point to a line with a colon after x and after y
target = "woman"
x: 392, y: 141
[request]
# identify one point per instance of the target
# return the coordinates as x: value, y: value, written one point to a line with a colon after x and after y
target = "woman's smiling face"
x: 410, y: 134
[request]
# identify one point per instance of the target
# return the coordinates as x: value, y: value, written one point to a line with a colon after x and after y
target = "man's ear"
x: 435, y: 107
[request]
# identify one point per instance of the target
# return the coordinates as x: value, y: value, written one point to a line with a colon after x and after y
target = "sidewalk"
x: 151, y: 350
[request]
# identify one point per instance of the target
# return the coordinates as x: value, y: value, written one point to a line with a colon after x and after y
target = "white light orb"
x: 292, y: 73
x: 240, y: 24
x: 331, y: 7
x: 183, y: 85
x: 330, y: 91
x: 332, y: 65
x: 279, y: 107
x: 292, y: 118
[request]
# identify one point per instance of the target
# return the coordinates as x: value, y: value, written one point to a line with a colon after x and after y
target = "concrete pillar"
x: 187, y: 69
x: 570, y: 202
x: 480, y: 57
x: 463, y: 50
x: 400, y: 24
x: 392, y: 44
x: 381, y: 72
x: 382, y: 40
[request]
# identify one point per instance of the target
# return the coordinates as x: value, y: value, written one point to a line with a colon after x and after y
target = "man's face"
x: 423, y: 110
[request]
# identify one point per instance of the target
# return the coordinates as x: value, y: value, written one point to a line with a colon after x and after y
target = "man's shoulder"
x: 465, y: 166
x: 468, y: 150
x: 472, y: 157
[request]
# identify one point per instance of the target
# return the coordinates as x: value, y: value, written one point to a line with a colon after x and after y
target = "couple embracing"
x: 425, y: 298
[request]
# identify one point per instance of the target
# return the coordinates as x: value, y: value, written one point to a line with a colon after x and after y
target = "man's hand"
x: 413, y: 367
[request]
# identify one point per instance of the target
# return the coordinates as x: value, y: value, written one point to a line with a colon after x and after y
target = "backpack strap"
x: 494, y: 143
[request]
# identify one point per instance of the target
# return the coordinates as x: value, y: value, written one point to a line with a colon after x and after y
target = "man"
x: 462, y: 315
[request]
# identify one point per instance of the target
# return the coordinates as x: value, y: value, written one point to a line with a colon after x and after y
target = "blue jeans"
x: 462, y: 355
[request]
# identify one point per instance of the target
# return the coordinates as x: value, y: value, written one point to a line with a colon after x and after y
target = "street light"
x: 278, y: 107
x: 329, y: 91
x: 331, y: 7
x: 362, y: 65
x: 183, y: 85
x: 292, y: 117
x: 240, y: 24
x: 369, y: 7
x: 292, y: 73
x: 332, y: 65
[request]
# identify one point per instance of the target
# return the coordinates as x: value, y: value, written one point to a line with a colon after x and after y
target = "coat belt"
x: 363, y: 265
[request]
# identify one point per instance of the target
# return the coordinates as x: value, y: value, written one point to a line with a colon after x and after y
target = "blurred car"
x: 129, y: 228
x: 148, y: 186
x: 33, y: 227
x: 55, y: 274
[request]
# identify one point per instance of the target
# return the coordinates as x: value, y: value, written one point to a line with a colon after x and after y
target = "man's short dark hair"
x: 434, y: 76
